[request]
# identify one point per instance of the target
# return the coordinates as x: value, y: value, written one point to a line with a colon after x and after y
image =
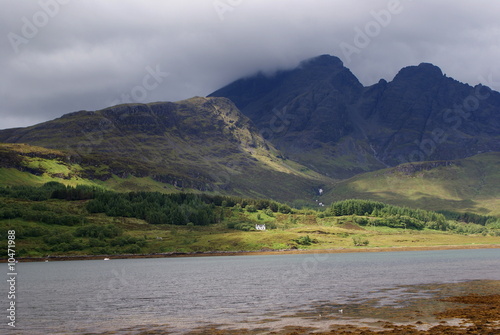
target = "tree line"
x: 380, y: 209
x: 175, y: 208
x: 468, y: 217
x: 388, y: 215
x: 404, y: 217
x: 157, y: 208
x: 203, y: 209
x: 50, y: 190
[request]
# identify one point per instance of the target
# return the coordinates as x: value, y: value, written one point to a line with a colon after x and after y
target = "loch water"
x: 95, y: 296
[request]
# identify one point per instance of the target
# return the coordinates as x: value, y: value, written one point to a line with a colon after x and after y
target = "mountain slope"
x: 320, y: 115
x: 204, y: 144
x: 464, y: 185
x: 304, y: 130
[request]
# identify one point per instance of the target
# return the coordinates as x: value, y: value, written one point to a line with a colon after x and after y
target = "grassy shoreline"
x: 257, y: 252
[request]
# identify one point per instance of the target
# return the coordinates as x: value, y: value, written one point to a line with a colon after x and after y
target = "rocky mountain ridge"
x: 328, y: 121
x: 283, y: 136
x: 202, y: 144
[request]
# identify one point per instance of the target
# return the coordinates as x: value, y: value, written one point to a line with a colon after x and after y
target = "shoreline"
x: 255, y: 253
x: 469, y: 307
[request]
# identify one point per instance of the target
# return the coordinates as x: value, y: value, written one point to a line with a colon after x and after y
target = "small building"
x: 260, y: 227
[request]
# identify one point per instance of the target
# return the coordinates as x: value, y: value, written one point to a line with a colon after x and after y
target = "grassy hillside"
x: 56, y: 220
x: 466, y: 185
x: 195, y: 145
x: 23, y: 164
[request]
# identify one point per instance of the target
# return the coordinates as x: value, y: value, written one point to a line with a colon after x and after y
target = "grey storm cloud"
x: 60, y: 56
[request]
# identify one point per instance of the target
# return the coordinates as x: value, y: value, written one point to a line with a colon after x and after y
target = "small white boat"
x: 106, y: 259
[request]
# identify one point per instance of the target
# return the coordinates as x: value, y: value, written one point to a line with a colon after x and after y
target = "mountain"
x: 201, y: 144
x: 320, y: 115
x: 300, y: 135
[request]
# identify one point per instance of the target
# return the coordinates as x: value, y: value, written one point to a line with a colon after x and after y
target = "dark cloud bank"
x: 60, y: 56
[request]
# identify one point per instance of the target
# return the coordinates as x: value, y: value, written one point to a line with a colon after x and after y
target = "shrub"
x: 34, y: 231
x: 305, y: 240
x: 358, y: 241
x: 269, y: 212
x: 361, y: 221
x: 123, y: 241
x: 132, y: 249
x: 271, y: 225
x: 59, y: 239
x: 245, y: 226
x: 10, y: 213
x: 40, y: 207
x: 251, y: 209
x: 62, y: 247
x: 285, y: 209
x: 94, y: 242
x: 279, y: 246
x: 98, y: 231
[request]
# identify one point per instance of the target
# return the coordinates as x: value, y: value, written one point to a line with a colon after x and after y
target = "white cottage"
x: 260, y: 227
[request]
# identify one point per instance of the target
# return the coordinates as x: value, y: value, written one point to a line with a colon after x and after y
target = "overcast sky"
x: 60, y: 56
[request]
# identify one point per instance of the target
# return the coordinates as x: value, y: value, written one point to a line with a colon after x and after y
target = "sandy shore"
x: 255, y: 253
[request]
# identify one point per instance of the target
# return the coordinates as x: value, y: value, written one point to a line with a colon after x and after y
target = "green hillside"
x: 468, y: 185
x: 465, y: 185
x: 57, y: 220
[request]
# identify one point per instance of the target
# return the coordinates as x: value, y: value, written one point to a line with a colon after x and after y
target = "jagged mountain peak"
x: 322, y: 71
x: 323, y: 61
x: 423, y: 71
x: 333, y: 124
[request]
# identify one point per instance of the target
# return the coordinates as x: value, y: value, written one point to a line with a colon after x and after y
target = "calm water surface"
x: 95, y: 296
